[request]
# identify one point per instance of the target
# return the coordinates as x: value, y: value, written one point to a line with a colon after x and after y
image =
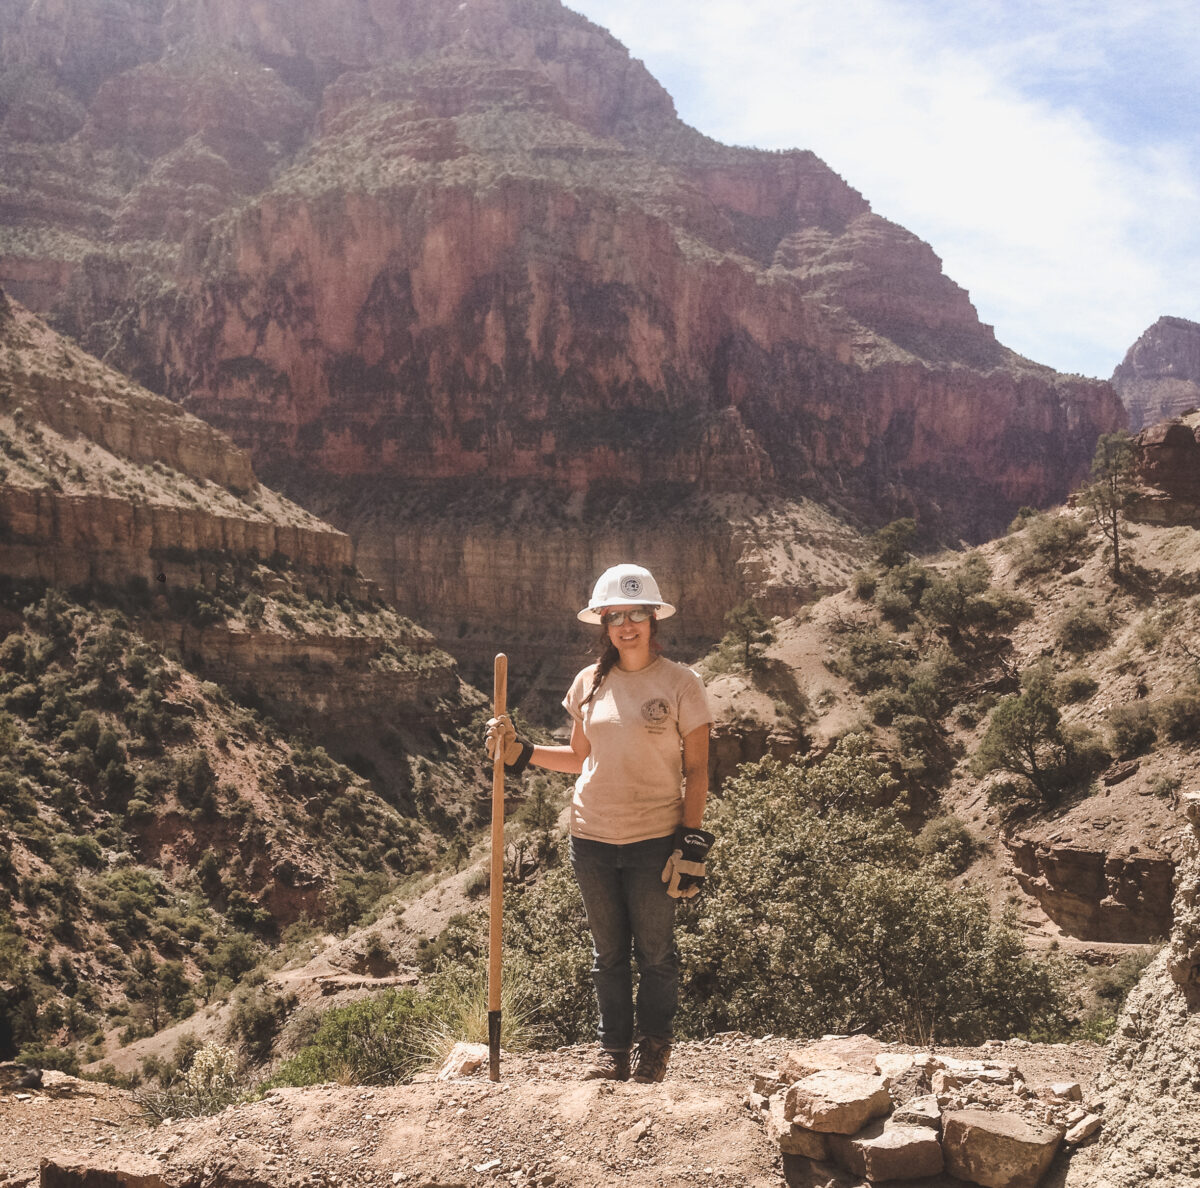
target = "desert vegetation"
x: 159, y: 836
x: 823, y: 913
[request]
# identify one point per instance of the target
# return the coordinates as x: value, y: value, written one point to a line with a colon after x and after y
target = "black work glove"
x: 684, y: 871
x: 516, y: 750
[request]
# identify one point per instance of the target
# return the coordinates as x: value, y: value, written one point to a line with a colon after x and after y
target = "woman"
x: 639, y: 745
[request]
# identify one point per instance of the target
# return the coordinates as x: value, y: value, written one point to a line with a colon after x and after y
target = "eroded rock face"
x: 1167, y: 465
x: 426, y: 241
x: 1150, y: 1087
x: 1160, y: 374
x: 105, y: 485
x: 1095, y: 895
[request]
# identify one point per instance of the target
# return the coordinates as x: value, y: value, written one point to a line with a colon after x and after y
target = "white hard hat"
x: 625, y: 585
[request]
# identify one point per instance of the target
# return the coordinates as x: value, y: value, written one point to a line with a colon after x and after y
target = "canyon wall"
x: 105, y: 486
x: 471, y: 246
x: 1159, y: 377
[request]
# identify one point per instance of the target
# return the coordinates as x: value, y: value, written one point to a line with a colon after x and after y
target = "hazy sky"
x: 1049, y: 150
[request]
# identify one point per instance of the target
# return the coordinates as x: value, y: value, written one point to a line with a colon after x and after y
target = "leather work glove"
x: 684, y: 871
x: 516, y: 751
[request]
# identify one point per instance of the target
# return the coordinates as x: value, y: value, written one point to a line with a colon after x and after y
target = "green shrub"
x: 1048, y: 542
x: 381, y: 1040
x: 1086, y: 755
x: 1114, y: 982
x: 235, y: 956
x: 1074, y: 686
x: 253, y: 606
x: 256, y: 1019
x: 948, y: 838
x: 1021, y: 520
x: 1178, y: 717
x: 1080, y: 629
x: 1165, y: 786
x: 891, y: 544
x: 1131, y: 729
x: 874, y: 659
x: 863, y: 585
x: 815, y: 887
x: 884, y: 704
x: 49, y: 1056
x: 748, y: 634
x: 1025, y: 737
x: 460, y: 943
x: 195, y: 780
x: 900, y: 592
x: 354, y: 896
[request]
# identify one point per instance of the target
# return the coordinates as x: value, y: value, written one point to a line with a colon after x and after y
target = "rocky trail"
x: 539, y: 1125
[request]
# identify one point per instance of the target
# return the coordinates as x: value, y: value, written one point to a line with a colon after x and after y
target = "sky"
x: 1048, y: 150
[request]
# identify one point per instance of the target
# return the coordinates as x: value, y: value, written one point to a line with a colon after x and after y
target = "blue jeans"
x: 629, y: 910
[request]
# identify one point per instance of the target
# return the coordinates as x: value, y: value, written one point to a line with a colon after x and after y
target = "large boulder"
x: 884, y: 1151
x: 997, y: 1150
x: 836, y: 1102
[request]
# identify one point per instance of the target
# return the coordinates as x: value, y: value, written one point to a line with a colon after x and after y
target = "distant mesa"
x: 1159, y: 377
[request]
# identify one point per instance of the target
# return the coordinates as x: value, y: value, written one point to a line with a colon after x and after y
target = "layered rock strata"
x: 1095, y: 895
x: 1159, y: 377
x: 1167, y: 464
x: 103, y: 484
x: 429, y: 242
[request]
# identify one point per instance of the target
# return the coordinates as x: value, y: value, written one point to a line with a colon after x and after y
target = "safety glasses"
x: 617, y: 618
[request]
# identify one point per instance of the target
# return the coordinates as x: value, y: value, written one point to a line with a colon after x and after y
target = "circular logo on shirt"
x: 631, y: 586
x: 655, y: 710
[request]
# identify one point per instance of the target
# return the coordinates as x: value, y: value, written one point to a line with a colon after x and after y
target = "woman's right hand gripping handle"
x: 502, y: 734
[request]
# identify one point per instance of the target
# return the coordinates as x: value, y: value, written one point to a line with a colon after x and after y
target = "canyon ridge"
x: 461, y: 282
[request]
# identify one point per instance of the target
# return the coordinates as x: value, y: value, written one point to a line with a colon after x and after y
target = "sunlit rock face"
x: 1159, y: 377
x: 437, y: 242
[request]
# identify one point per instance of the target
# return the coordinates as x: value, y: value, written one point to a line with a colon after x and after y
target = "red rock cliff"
x: 1160, y: 374
x: 428, y: 241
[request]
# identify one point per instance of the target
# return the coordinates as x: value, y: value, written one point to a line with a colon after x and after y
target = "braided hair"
x: 607, y: 655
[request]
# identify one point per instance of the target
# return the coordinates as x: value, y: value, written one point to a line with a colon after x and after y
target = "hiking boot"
x: 610, y: 1065
x: 650, y: 1064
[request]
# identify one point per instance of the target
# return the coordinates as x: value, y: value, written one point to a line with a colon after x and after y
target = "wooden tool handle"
x: 496, y: 909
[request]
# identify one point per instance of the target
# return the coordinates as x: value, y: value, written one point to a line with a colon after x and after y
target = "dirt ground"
x: 65, y: 1114
x: 539, y: 1125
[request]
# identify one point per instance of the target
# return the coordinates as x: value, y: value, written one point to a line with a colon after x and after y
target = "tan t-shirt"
x: 631, y: 786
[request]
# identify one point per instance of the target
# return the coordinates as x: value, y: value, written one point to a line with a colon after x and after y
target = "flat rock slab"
x: 104, y: 1169
x: 853, y: 1053
x: 997, y: 1150
x: 888, y: 1152
x: 894, y: 1065
x: 833, y: 1102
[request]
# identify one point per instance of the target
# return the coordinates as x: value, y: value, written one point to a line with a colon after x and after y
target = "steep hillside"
x: 1076, y: 818
x: 471, y: 248
x: 1160, y: 374
x: 178, y: 642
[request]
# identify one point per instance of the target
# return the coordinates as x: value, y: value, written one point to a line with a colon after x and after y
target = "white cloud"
x: 975, y: 126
